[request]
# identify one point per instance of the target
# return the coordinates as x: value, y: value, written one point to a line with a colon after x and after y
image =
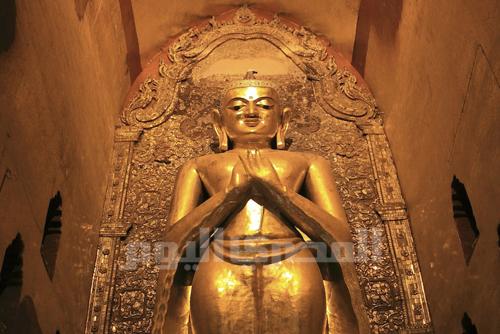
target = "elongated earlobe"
x: 280, y: 135
x: 219, y: 130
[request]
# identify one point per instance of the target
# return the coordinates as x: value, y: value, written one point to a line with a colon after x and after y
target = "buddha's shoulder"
x: 208, y: 160
x: 308, y: 157
x: 215, y: 159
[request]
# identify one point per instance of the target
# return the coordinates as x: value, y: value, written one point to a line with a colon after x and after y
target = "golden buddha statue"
x: 262, y: 203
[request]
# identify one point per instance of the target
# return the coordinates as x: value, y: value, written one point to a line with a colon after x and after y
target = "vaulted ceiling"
x: 334, y: 19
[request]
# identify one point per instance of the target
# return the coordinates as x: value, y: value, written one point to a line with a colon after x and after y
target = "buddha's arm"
x: 186, y: 219
x: 322, y: 196
x: 207, y: 215
x: 187, y: 193
x: 321, y: 190
x: 322, y: 217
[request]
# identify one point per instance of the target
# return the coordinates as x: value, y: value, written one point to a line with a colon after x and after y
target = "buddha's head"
x: 251, y: 115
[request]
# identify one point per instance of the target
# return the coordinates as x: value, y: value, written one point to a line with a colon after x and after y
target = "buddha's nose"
x: 251, y: 111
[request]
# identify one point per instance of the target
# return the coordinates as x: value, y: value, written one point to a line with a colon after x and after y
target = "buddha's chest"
x: 216, y: 173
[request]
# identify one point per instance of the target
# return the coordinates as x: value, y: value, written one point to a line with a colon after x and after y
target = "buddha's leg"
x: 282, y: 297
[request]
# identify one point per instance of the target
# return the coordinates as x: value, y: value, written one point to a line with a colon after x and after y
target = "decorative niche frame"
x: 165, y: 123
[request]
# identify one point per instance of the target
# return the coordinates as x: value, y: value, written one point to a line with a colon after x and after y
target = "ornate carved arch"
x: 160, y: 132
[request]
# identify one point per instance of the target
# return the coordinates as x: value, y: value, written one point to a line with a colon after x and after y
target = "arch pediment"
x: 336, y: 87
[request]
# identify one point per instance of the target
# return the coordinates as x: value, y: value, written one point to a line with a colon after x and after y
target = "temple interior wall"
x: 432, y: 66
x: 63, y: 81
x: 434, y: 71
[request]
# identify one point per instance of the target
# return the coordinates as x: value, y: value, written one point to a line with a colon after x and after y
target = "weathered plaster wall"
x: 62, y: 83
x: 433, y: 67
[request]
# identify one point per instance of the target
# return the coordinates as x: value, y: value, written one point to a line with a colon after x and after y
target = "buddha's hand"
x: 261, y: 170
x: 239, y: 177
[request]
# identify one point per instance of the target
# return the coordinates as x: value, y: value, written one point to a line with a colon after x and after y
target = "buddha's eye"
x: 266, y: 104
x: 235, y: 105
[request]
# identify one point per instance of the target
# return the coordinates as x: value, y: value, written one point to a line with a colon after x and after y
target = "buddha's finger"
x: 257, y: 159
x: 265, y: 162
x: 252, y: 161
x: 248, y: 162
x: 239, y: 168
x: 244, y: 162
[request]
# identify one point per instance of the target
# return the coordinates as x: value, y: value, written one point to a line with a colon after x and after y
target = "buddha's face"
x: 251, y: 113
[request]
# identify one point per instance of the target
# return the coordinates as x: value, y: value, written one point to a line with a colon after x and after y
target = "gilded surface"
x: 333, y: 117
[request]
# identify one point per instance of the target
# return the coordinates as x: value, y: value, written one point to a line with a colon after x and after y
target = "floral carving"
x: 132, y: 304
x: 147, y: 93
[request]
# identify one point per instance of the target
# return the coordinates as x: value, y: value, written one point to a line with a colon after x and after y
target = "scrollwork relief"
x: 338, y: 91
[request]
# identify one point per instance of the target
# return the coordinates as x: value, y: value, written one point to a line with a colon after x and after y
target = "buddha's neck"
x: 251, y: 144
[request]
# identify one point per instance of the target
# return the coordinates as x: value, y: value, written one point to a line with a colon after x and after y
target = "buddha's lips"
x: 251, y: 121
